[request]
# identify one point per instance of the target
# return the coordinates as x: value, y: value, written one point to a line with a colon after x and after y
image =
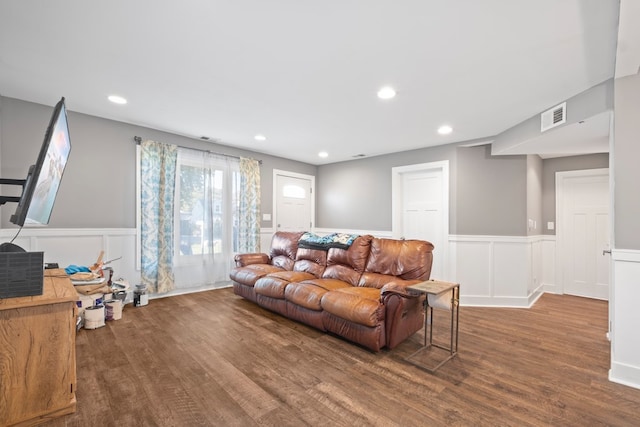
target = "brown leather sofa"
x: 358, y: 293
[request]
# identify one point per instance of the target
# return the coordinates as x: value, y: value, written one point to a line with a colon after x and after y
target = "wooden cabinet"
x: 38, y: 353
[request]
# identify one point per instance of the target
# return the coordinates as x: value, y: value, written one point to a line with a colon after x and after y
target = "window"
x: 205, y: 218
x: 294, y: 191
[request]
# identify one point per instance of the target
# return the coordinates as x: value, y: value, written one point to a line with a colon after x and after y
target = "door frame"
x: 311, y: 178
x: 561, y: 178
x: 397, y: 204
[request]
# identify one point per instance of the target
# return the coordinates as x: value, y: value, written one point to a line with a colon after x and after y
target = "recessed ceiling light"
x: 445, y: 130
x: 117, y: 99
x: 260, y: 137
x: 323, y: 154
x: 386, y: 92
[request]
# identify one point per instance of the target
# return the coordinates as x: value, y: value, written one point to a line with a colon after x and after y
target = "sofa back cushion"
x: 284, y: 247
x: 348, y: 264
x: 312, y: 261
x: 404, y: 259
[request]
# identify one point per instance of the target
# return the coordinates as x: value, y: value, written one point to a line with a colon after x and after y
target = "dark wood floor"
x: 215, y: 359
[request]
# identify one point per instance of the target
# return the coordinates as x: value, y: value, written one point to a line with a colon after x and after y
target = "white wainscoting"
x: 81, y: 246
x: 625, y: 318
x: 265, y: 239
x: 550, y: 279
x: 499, y: 271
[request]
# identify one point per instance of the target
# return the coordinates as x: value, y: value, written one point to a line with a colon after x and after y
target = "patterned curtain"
x: 249, y: 215
x: 157, y: 186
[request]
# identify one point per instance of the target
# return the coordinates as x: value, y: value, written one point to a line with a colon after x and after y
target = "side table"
x: 438, y: 294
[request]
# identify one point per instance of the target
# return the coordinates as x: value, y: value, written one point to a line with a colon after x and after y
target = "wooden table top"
x: 434, y: 287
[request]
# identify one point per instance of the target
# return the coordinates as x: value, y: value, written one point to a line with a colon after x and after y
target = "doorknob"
x: 606, y: 251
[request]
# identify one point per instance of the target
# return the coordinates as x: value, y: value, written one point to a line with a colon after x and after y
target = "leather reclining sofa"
x: 358, y: 293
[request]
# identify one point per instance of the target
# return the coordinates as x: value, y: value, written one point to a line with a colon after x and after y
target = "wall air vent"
x: 553, y: 117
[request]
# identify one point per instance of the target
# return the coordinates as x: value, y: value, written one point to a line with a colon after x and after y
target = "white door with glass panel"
x: 584, y: 233
x: 293, y: 204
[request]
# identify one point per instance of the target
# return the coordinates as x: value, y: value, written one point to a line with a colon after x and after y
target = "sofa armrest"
x: 399, y: 288
x: 253, y: 258
x: 404, y: 311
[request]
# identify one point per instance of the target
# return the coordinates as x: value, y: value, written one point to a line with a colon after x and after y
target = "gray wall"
x: 98, y: 188
x: 492, y: 197
x: 357, y: 194
x: 487, y: 194
x: 534, y: 195
x: 626, y: 154
x: 562, y: 164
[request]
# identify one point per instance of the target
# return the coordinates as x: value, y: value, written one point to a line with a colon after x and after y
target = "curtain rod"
x: 138, y: 140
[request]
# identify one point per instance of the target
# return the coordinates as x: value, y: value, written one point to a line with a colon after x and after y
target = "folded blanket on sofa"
x: 333, y: 240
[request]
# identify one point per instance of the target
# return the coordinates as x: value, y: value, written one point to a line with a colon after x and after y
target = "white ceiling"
x: 305, y: 73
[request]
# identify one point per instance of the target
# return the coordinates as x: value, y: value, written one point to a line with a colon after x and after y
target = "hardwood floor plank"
x: 215, y: 359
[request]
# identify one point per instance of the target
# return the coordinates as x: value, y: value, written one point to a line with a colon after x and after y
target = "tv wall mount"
x: 7, y: 181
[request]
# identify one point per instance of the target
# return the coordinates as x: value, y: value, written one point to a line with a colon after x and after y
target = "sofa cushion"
x: 355, y: 304
x: 312, y: 261
x: 406, y: 259
x: 348, y: 264
x: 309, y: 294
x: 273, y: 285
x: 284, y: 246
x: 249, y: 274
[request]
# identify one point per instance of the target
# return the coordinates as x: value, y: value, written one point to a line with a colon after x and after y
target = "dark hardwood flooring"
x: 215, y: 359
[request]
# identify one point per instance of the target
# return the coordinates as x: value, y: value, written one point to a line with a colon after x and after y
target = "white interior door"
x: 584, y: 233
x: 293, y: 202
x: 421, y: 209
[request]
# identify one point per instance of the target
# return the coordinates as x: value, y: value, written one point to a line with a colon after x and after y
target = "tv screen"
x: 43, y: 179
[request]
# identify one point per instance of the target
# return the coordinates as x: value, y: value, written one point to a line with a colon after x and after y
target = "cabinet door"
x: 37, y: 362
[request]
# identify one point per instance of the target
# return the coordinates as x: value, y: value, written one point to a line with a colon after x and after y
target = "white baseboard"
x: 507, y: 302
x: 625, y: 374
x: 552, y: 288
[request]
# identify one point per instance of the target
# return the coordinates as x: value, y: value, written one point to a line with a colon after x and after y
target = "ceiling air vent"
x: 553, y: 117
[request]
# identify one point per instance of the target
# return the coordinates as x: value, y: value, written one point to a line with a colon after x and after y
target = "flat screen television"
x: 43, y: 179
